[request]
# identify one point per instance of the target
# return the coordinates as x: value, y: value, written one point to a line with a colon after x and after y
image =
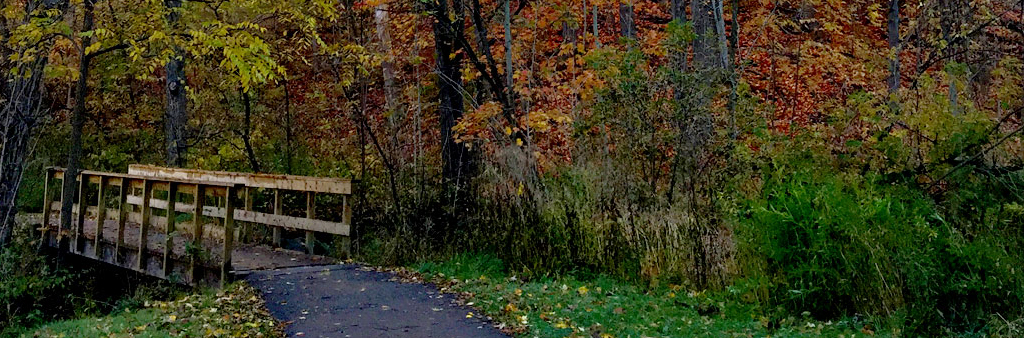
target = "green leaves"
x: 241, y: 53
x: 680, y: 34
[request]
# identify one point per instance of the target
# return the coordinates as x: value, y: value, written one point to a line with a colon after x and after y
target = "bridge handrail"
x: 252, y: 180
x: 277, y: 183
x: 224, y: 187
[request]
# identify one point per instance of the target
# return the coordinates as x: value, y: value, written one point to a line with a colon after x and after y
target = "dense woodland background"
x: 841, y: 157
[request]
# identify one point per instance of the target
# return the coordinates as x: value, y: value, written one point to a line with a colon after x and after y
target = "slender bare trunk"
x: 583, y: 27
x: 723, y: 49
x: 894, y: 45
x: 289, y: 152
x: 250, y: 153
x: 947, y: 24
x: 627, y: 23
x: 678, y: 57
x: 597, y: 34
x: 734, y: 65
x: 724, y: 61
x: 509, y: 71
x: 387, y: 66
x: 707, y: 23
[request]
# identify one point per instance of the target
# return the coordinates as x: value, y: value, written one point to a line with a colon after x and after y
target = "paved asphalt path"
x: 340, y: 301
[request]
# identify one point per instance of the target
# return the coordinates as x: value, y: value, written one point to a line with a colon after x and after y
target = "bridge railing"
x: 278, y: 185
x: 136, y: 199
x: 191, y: 205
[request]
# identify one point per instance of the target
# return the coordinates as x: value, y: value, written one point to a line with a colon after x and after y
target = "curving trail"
x: 347, y: 300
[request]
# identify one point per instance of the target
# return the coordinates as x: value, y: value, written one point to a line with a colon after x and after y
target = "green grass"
x: 236, y: 311
x: 604, y: 307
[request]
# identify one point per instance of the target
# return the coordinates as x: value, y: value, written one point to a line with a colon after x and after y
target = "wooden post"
x: 122, y: 214
x: 83, y: 182
x: 172, y: 192
x: 62, y: 235
x: 147, y: 194
x: 346, y: 218
x: 310, y: 214
x: 246, y: 231
x: 101, y: 216
x: 47, y: 207
x: 197, y: 232
x: 278, y: 210
x: 229, y: 230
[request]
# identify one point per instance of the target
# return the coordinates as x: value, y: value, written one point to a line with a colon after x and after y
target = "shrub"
x: 29, y: 287
x: 838, y: 244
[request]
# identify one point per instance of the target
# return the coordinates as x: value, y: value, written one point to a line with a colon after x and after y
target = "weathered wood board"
x: 268, y: 181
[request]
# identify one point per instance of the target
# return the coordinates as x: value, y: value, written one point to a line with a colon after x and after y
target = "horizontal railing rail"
x: 251, y: 180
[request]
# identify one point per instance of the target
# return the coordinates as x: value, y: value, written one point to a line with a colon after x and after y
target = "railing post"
x: 62, y: 234
x: 346, y: 218
x: 83, y: 182
x: 172, y: 191
x: 101, y: 216
x: 246, y: 231
x: 229, y: 230
x: 47, y: 207
x: 197, y: 233
x: 147, y: 194
x: 278, y: 210
x: 122, y: 214
x: 310, y: 214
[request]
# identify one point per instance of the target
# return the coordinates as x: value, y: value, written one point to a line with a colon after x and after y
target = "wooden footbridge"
x: 196, y: 226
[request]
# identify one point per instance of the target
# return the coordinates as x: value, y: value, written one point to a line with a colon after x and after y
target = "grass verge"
x: 236, y: 311
x: 604, y: 307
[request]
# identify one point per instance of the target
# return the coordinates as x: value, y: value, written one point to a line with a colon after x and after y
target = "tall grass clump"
x: 636, y: 200
x: 838, y: 240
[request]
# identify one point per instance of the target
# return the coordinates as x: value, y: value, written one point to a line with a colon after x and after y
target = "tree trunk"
x: 946, y: 23
x: 894, y: 45
x: 723, y: 49
x: 583, y: 27
x: 706, y: 49
x: 250, y: 153
x: 734, y: 41
x: 457, y: 159
x: 734, y: 38
x: 678, y: 58
x: 627, y: 24
x: 509, y: 71
x: 568, y: 34
x: 387, y: 66
x: 498, y: 86
x: 19, y: 117
x: 176, y: 112
x: 597, y: 34
x: 288, y: 152
x: 77, y: 122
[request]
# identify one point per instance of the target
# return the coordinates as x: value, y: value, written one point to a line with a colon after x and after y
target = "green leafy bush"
x: 29, y: 287
x: 838, y: 244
